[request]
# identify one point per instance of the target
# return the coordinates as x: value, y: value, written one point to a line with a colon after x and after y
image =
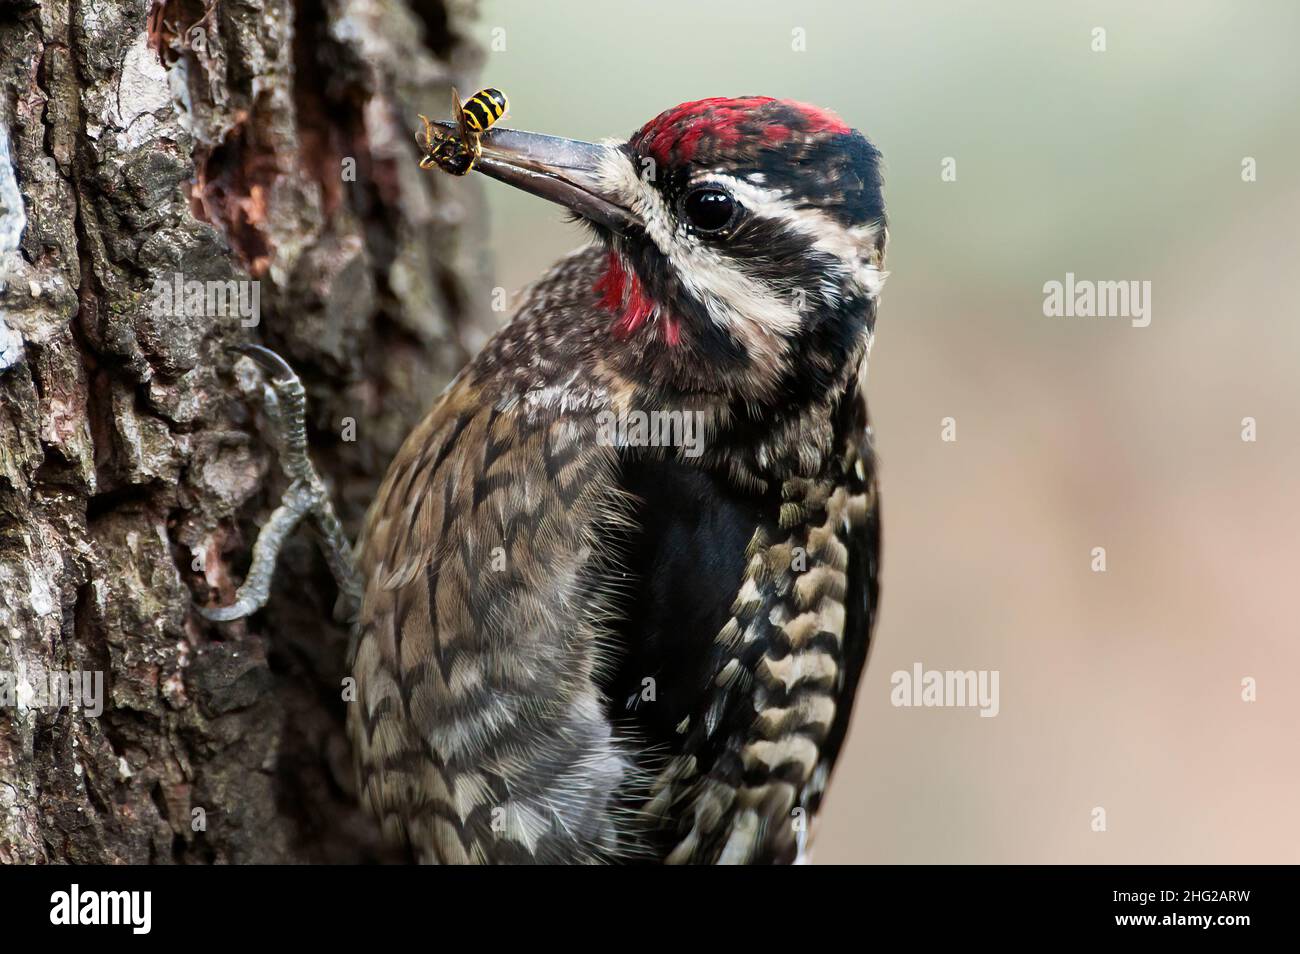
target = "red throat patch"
x: 621, y: 293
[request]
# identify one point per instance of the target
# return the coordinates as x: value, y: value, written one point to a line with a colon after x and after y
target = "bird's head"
x: 745, y: 240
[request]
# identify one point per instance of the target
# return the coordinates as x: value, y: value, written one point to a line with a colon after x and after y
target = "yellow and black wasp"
x: 457, y: 154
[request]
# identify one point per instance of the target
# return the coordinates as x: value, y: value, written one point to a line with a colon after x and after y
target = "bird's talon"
x: 267, y: 359
x: 306, y: 495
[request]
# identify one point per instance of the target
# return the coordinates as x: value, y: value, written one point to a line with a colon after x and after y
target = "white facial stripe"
x: 760, y: 316
x: 854, y: 246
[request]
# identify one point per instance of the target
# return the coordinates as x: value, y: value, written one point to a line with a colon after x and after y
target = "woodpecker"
x: 579, y: 643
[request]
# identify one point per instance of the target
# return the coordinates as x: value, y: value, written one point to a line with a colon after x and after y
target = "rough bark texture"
x: 139, y: 140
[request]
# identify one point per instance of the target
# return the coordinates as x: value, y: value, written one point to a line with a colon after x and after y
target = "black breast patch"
x: 684, y: 566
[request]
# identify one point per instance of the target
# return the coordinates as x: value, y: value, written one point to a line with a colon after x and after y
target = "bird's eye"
x: 709, y: 210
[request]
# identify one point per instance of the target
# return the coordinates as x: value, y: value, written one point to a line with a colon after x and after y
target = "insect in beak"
x: 456, y: 154
x: 564, y: 171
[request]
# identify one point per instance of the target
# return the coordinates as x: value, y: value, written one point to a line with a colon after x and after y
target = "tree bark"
x: 213, y: 140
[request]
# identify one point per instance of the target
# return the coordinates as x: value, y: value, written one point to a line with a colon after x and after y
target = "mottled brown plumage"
x: 525, y: 575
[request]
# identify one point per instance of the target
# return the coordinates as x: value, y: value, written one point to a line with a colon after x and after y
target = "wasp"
x: 456, y: 154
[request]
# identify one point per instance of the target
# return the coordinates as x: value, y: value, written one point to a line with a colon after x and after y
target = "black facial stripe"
x: 846, y: 185
x: 763, y: 249
x: 769, y: 250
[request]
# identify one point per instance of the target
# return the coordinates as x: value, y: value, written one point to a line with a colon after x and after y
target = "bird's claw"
x: 306, y: 495
x: 267, y: 359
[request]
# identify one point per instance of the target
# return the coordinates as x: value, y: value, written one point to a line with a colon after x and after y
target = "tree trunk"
x: 265, y: 141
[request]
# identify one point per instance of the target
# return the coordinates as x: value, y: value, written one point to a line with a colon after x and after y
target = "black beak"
x: 566, y: 171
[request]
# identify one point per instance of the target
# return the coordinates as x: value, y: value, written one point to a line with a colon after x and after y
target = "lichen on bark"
x: 215, y: 140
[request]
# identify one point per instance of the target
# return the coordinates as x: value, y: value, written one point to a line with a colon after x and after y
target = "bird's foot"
x: 285, y: 404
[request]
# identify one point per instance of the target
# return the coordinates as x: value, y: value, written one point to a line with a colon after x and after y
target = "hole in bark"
x: 231, y: 184
x: 159, y: 801
x: 133, y: 497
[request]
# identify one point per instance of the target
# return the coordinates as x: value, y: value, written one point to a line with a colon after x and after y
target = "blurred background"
x: 1120, y: 690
